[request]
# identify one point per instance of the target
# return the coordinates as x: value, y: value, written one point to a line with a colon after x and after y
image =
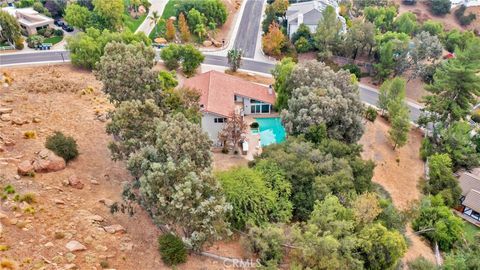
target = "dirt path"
x: 399, y: 173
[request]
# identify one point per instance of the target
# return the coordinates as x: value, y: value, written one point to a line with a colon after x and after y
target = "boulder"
x: 6, y: 110
x: 19, y: 121
x: 6, y: 117
x: 217, y: 44
x: 73, y: 246
x: 114, y: 228
x: 25, y: 168
x: 207, y: 43
x: 75, y: 182
x: 47, y: 161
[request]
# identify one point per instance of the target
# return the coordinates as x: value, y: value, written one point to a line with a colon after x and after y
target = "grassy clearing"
x: 470, y: 231
x: 169, y: 11
x: 54, y: 40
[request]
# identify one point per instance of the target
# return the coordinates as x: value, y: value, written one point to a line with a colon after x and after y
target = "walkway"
x: 147, y: 25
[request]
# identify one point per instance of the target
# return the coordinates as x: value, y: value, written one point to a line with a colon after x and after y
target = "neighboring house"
x: 222, y: 94
x: 467, y: 3
x: 30, y: 20
x: 309, y: 13
x: 470, y: 185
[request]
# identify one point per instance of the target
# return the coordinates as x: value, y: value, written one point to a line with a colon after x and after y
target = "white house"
x: 221, y: 94
x: 30, y: 20
x: 309, y: 13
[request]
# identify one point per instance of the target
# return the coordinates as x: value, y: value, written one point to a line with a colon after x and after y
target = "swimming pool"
x: 271, y: 130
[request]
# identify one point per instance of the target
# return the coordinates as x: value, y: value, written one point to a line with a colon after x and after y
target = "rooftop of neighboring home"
x: 218, y: 91
x: 28, y: 16
x: 309, y: 12
x: 470, y: 185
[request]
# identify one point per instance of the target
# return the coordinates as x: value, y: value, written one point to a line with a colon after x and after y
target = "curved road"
x: 367, y: 94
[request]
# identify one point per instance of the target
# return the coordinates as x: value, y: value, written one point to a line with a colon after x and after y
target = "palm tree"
x: 200, y: 30
x: 234, y: 57
x: 154, y: 18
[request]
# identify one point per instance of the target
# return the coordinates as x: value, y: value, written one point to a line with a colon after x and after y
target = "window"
x: 220, y: 120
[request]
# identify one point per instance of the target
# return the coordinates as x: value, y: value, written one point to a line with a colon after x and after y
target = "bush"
x: 172, y: 249
x: 354, y: 69
x: 171, y: 56
x: 34, y: 40
x: 48, y: 32
x: 460, y: 15
x: 30, y: 134
x: 421, y: 263
x: 19, y: 43
x: 41, y: 32
x: 266, y: 243
x: 371, y: 114
x: 440, y: 7
x: 476, y: 116
x: 303, y: 45
x: 58, y: 32
x: 63, y: 146
x: 254, y: 125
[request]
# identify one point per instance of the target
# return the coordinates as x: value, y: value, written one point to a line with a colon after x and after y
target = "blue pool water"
x: 271, y: 130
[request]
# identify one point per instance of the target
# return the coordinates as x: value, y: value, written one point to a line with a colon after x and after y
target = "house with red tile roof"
x: 221, y: 94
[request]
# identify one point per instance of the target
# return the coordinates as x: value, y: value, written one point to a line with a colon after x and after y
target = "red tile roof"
x: 218, y: 89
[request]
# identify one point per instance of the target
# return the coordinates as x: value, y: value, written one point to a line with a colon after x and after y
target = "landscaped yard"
x: 169, y: 11
x: 132, y: 23
x: 54, y: 40
x: 470, y: 231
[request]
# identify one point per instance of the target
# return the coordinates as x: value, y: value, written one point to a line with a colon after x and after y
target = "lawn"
x: 470, y: 231
x: 169, y: 11
x: 132, y: 23
x: 54, y: 40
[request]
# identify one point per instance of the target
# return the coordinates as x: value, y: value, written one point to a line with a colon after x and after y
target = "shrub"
x: 41, y: 31
x: 63, y: 146
x: 460, y: 15
x: 171, y: 56
x: 371, y: 114
x: 440, y: 7
x: 19, y: 43
x: 172, y: 249
x: 266, y: 243
x: 420, y: 263
x: 476, y: 116
x: 354, y: 69
x: 48, y: 32
x: 28, y: 198
x: 30, y: 134
x: 34, y: 40
x: 9, y: 189
x: 58, y: 32
x: 254, y: 125
x: 303, y: 45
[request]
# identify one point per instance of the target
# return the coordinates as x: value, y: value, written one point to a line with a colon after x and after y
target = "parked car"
x: 59, y: 23
x: 67, y: 28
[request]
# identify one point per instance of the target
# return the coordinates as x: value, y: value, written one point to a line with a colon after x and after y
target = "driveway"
x: 147, y: 25
x: 247, y: 35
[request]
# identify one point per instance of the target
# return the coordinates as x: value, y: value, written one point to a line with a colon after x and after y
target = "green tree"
x: 213, y: 10
x: 360, y: 37
x: 441, y: 179
x: 126, y: 72
x: 400, y: 122
x: 406, y: 23
x: 133, y: 123
x: 382, y: 17
x: 192, y: 58
x: 86, y: 48
x: 176, y: 186
x: 302, y: 31
x: 270, y: 17
x: 381, y: 248
x: 464, y: 257
x: 303, y: 45
x: 252, y: 200
x: 201, y: 31
x: 438, y: 222
x: 109, y: 13
x: 281, y: 73
x: 194, y: 18
x: 420, y: 263
x: 440, y: 7
x: 78, y: 16
x: 455, y: 88
x: 457, y: 39
x: 266, y: 242
x: 171, y: 56
x: 234, y: 57
x: 319, y: 96
x: 154, y: 19
x: 168, y: 80
x: 434, y: 28
x: 426, y: 49
x: 329, y: 31
x: 9, y: 28
x: 390, y: 90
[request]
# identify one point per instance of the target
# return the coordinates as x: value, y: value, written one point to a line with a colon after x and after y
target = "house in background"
x: 30, y: 20
x: 470, y: 200
x: 309, y: 13
x: 221, y: 94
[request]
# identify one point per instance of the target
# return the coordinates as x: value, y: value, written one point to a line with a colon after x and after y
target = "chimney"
x: 300, y: 18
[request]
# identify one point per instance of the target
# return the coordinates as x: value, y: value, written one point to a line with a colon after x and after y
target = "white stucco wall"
x: 210, y: 127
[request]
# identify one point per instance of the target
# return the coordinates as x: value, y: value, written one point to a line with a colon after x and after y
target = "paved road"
x: 248, y: 31
x: 367, y: 94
